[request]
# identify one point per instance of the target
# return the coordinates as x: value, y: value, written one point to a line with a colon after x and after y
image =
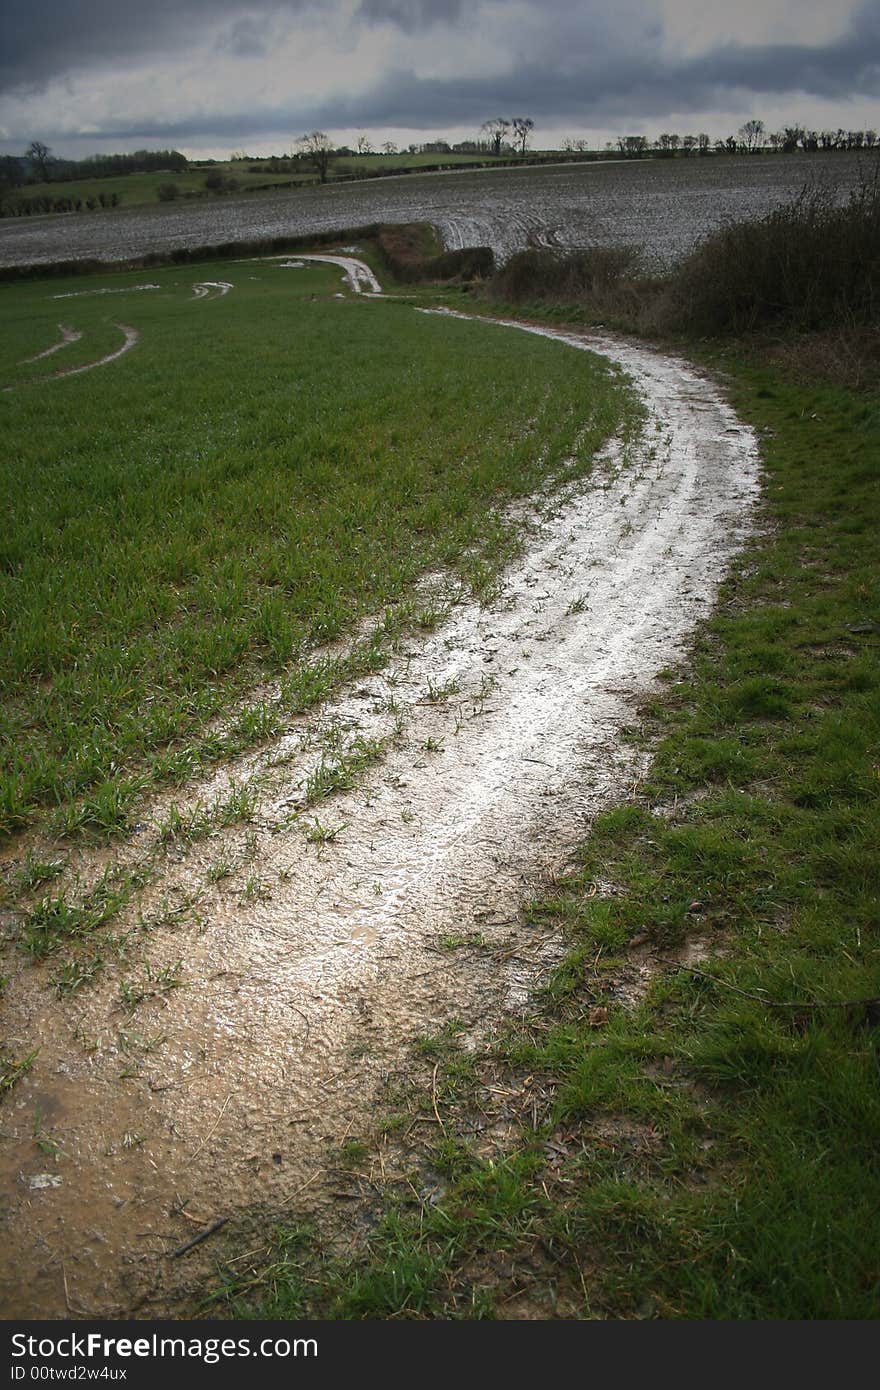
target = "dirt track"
x: 307, y: 970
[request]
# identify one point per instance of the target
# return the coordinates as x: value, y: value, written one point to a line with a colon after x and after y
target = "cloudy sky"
x: 212, y: 76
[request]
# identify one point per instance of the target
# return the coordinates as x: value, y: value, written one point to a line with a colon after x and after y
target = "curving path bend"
x: 299, y: 998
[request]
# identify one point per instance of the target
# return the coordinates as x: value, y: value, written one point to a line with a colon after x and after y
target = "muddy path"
x: 278, y: 970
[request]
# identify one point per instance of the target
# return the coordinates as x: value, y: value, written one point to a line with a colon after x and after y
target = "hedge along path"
x: 218, y: 1067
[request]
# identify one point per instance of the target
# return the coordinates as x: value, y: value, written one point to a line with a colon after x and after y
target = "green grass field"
x: 134, y: 190
x: 392, y: 163
x: 257, y: 473
x: 254, y: 475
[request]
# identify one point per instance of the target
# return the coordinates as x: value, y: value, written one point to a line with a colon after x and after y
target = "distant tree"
x: 522, y: 129
x: 791, y: 138
x: 704, y: 142
x: 870, y: 139
x: 776, y: 140
x: 39, y: 156
x: 363, y: 144
x: 689, y: 144
x: 389, y: 147
x: 667, y: 144
x: 751, y: 135
x: 495, y: 131
x: 316, y: 149
x: 633, y: 146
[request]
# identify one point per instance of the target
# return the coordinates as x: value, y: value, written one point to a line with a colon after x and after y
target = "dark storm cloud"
x: 584, y: 62
x: 634, y: 80
x: 42, y: 39
x: 603, y: 86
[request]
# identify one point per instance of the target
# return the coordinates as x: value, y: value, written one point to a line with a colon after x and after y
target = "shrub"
x: 545, y: 274
x: 220, y: 183
x: 167, y: 192
x: 407, y: 251
x: 811, y: 263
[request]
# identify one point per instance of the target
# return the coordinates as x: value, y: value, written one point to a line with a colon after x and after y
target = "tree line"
x: 751, y: 138
x: 39, y: 165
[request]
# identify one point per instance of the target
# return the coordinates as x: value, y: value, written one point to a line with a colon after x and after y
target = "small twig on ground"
x: 308, y: 1182
x: 197, y: 1239
x: 180, y: 1210
x: 71, y: 1307
x: 304, y: 1019
x: 248, y: 1255
x: 434, y: 1098
x: 198, y: 1150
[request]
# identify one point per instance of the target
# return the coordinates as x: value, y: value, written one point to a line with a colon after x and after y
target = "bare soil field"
x: 664, y: 206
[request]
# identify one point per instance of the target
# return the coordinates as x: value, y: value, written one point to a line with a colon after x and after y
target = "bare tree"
x: 633, y: 146
x: 522, y: 129
x: 316, y: 149
x: 389, y: 147
x: 495, y: 131
x: 363, y: 145
x: 751, y: 135
x: 39, y: 156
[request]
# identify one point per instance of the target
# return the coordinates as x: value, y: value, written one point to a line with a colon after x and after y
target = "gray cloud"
x: 42, y: 39
x: 411, y: 15
x: 246, y: 38
x: 633, y: 78
x: 586, y: 65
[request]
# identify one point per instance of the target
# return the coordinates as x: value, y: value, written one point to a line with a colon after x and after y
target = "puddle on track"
x: 309, y: 969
